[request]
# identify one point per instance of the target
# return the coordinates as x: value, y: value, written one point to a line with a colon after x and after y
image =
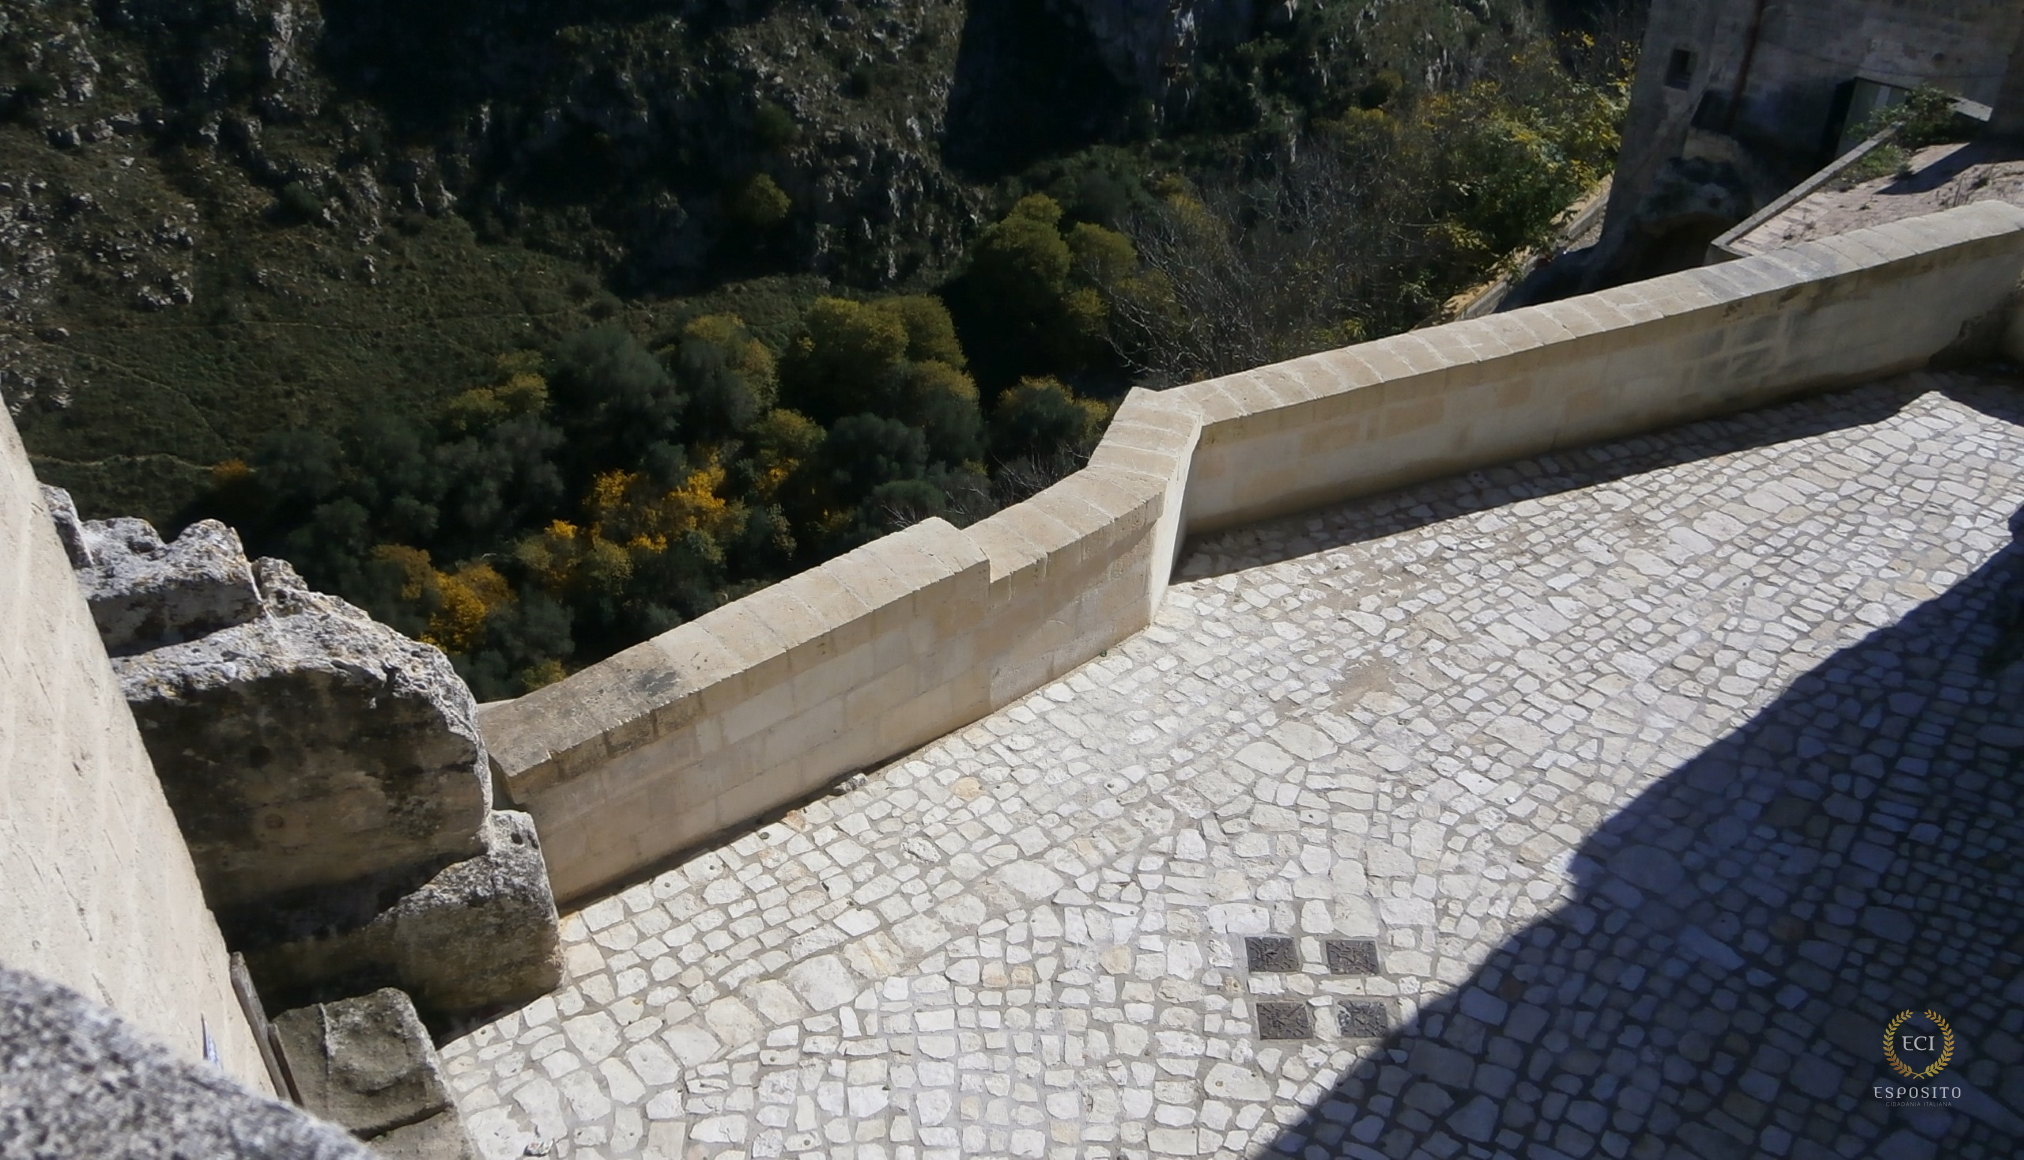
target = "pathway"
x: 1607, y: 804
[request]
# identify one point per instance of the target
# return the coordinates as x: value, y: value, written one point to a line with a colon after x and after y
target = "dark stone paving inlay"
x: 1285, y: 1021
x: 1362, y: 1019
x: 1272, y: 953
x: 1352, y: 956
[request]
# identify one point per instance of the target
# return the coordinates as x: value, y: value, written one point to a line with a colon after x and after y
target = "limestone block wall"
x: 752, y: 706
x: 99, y: 891
x: 1668, y: 350
x: 764, y: 701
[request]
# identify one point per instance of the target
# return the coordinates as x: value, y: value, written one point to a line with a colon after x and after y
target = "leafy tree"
x: 865, y: 451
x: 727, y: 373
x: 745, y: 353
x: 524, y: 391
x: 896, y: 358
x: 774, y: 127
x: 613, y: 397
x: 1033, y: 289
x: 523, y: 647
x: 931, y: 333
x: 1378, y: 216
x: 782, y: 442
x: 458, y: 604
x: 1040, y: 418
x: 838, y: 365
x: 759, y: 203
x: 498, y: 482
x: 941, y: 402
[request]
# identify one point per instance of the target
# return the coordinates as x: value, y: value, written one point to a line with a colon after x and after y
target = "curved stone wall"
x: 760, y: 703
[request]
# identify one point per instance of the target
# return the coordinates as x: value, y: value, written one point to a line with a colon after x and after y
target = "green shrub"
x: 759, y: 203
x: 773, y: 127
x: 1040, y: 418
x: 1925, y: 117
x: 299, y: 201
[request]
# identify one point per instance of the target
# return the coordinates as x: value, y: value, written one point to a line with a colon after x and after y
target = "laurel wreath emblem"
x: 1946, y: 1046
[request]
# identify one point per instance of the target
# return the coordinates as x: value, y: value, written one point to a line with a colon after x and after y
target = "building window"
x: 1680, y: 69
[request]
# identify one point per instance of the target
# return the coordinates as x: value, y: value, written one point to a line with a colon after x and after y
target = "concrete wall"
x: 2007, y: 119
x: 97, y: 890
x: 764, y: 701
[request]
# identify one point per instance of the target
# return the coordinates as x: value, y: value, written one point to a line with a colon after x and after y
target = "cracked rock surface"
x: 327, y: 774
x: 145, y: 593
x: 310, y: 749
x: 367, y: 1063
x: 478, y: 934
x: 76, y: 1080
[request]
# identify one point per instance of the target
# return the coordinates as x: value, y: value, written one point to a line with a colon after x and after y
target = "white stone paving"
x: 1406, y: 721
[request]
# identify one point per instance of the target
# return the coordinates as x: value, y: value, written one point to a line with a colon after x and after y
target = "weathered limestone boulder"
x: 76, y: 1080
x: 483, y: 933
x: 368, y: 1064
x: 145, y: 593
x: 327, y: 773
x: 69, y: 528
x: 477, y: 935
x: 283, y: 592
x: 308, y: 749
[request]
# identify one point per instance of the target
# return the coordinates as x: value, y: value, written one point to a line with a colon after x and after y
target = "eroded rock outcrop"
x: 310, y: 748
x: 478, y: 934
x: 368, y: 1064
x: 327, y: 773
x: 145, y: 593
x: 1146, y: 43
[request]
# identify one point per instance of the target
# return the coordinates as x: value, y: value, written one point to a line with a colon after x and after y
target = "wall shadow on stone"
x: 1946, y: 169
x: 1390, y: 513
x: 1736, y: 938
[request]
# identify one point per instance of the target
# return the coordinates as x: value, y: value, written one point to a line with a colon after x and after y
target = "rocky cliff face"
x: 1148, y: 44
x: 220, y: 219
x: 614, y: 131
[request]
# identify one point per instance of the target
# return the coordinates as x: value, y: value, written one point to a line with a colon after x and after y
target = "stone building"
x: 1735, y: 101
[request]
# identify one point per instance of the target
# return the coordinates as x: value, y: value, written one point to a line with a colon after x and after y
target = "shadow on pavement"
x: 1379, y: 516
x: 1738, y: 937
x: 1992, y: 390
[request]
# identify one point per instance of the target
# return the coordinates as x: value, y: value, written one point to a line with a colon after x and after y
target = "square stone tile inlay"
x: 1352, y: 956
x: 1285, y: 1021
x: 1272, y: 953
x: 1362, y: 1019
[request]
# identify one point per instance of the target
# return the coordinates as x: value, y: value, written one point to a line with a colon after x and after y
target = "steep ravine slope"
x: 223, y: 218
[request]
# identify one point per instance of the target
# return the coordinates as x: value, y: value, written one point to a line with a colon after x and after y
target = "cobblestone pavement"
x: 1608, y: 804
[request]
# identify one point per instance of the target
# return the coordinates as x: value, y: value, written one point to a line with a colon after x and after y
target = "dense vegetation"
x: 522, y: 420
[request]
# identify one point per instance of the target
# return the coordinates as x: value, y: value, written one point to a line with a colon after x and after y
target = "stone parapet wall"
x: 1445, y: 400
x: 763, y: 702
x: 99, y: 891
x: 754, y: 705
